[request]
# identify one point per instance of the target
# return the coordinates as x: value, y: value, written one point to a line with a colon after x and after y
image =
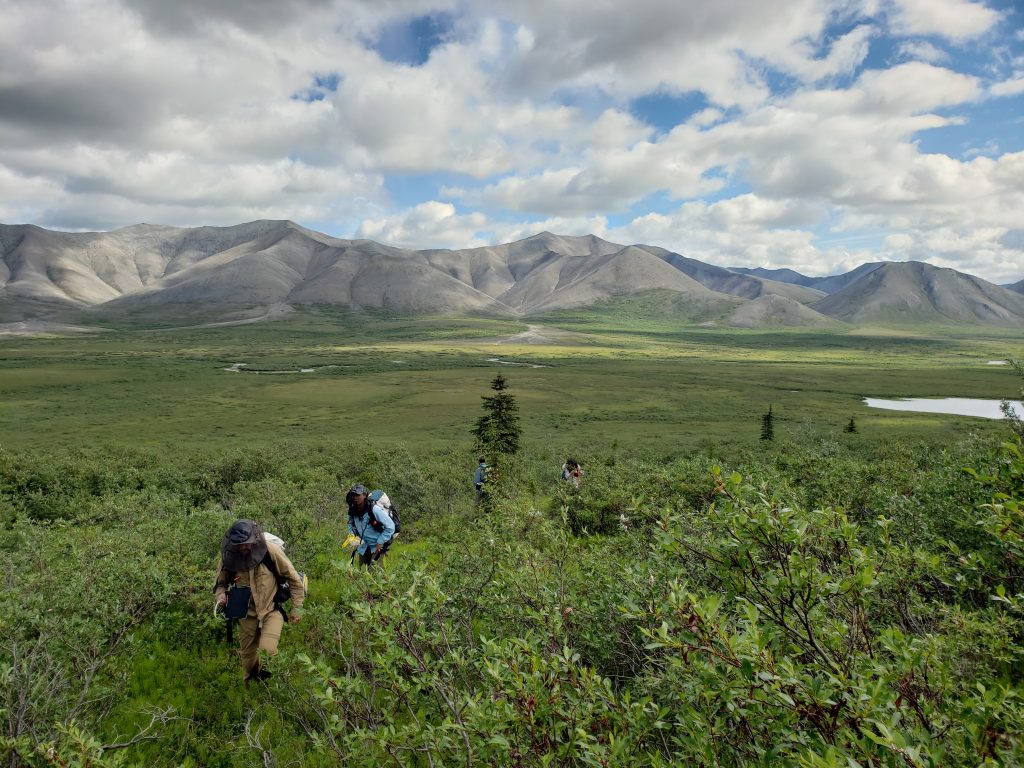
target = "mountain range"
x: 262, y: 268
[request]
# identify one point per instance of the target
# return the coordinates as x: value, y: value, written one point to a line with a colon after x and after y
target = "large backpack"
x: 380, y: 498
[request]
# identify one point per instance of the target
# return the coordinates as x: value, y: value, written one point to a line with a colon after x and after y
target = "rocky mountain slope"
x: 254, y: 270
x: 773, y: 311
x: 914, y: 292
x: 734, y: 284
x: 779, y: 275
x: 829, y: 284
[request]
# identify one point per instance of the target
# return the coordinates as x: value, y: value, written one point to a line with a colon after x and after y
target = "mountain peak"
x: 216, y: 272
x: 910, y: 292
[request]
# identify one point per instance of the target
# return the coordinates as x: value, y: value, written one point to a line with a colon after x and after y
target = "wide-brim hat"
x: 243, y: 532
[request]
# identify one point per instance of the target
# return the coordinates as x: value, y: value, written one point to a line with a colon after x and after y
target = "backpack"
x: 381, y: 498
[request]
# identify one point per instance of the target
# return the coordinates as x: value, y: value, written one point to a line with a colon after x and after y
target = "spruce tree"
x: 851, y: 427
x: 497, y: 432
x: 768, y: 425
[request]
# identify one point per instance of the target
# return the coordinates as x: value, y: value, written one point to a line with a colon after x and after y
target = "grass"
x: 418, y: 381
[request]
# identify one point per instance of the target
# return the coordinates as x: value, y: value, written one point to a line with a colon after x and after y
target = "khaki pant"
x: 252, y: 638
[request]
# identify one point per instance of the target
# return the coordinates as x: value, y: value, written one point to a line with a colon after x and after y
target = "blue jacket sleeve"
x: 389, y: 525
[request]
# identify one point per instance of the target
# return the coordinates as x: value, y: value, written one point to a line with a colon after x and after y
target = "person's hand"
x: 378, y: 549
x: 294, y: 617
x: 222, y: 600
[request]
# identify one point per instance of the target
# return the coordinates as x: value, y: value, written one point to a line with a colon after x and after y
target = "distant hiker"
x: 249, y: 576
x: 371, y: 521
x: 572, y: 472
x: 480, y: 477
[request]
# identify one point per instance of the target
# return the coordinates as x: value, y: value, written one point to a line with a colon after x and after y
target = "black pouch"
x: 284, y: 592
x: 238, y: 602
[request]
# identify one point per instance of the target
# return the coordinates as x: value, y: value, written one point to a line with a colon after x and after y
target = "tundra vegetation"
x: 827, y: 598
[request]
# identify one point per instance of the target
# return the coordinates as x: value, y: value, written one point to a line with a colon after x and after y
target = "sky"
x: 814, y: 135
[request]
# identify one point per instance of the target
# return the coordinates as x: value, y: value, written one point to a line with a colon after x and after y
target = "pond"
x: 959, y: 406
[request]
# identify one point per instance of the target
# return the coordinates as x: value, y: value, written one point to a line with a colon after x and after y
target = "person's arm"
x: 220, y: 586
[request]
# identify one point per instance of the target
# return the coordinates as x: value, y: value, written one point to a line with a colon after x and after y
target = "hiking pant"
x: 369, y: 557
x: 252, y: 638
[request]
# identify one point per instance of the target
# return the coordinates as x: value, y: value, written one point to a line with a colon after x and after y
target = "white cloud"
x: 1011, y: 87
x: 952, y: 19
x: 676, y: 46
x: 913, y: 88
x: 610, y: 179
x: 22, y: 198
x: 989, y: 149
x: 849, y: 147
x: 846, y: 54
x: 696, y: 230
x: 706, y: 117
x: 922, y: 50
x: 748, y: 210
x: 427, y: 225
x: 193, y: 113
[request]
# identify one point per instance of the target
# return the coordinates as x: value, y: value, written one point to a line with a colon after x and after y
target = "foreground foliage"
x: 818, y: 604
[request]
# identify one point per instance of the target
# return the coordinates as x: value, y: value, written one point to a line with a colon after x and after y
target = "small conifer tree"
x: 768, y: 425
x: 497, y: 432
x: 851, y: 426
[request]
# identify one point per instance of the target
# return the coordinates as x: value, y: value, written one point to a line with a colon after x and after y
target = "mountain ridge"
x: 917, y: 292
x: 245, y: 269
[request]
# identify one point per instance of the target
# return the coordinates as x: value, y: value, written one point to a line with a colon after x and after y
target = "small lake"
x: 957, y: 406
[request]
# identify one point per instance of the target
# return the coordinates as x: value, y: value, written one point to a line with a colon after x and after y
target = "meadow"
x: 705, y: 597
x: 418, y: 382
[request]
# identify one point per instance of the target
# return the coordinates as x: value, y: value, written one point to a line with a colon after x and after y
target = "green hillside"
x: 705, y: 597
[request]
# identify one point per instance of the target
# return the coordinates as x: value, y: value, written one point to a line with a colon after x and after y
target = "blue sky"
x: 809, y: 134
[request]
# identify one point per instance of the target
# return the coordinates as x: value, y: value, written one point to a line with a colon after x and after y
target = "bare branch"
x: 156, y: 717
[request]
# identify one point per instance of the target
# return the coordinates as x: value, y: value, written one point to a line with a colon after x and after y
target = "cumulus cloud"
x: 679, y: 47
x: 952, y: 19
x: 1012, y: 87
x: 428, y: 225
x: 195, y: 113
x: 696, y: 230
x: 922, y: 50
x: 610, y: 178
x: 845, y: 146
x: 846, y: 53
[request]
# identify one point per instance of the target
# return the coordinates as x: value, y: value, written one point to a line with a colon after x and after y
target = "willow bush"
x: 833, y: 603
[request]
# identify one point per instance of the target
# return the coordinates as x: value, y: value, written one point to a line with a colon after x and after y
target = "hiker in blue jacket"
x: 371, y: 523
x: 480, y: 477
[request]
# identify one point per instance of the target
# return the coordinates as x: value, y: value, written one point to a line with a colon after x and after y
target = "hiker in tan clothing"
x: 247, y: 585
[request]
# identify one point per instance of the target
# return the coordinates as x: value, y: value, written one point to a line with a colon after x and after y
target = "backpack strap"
x: 373, y: 521
x: 269, y: 562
